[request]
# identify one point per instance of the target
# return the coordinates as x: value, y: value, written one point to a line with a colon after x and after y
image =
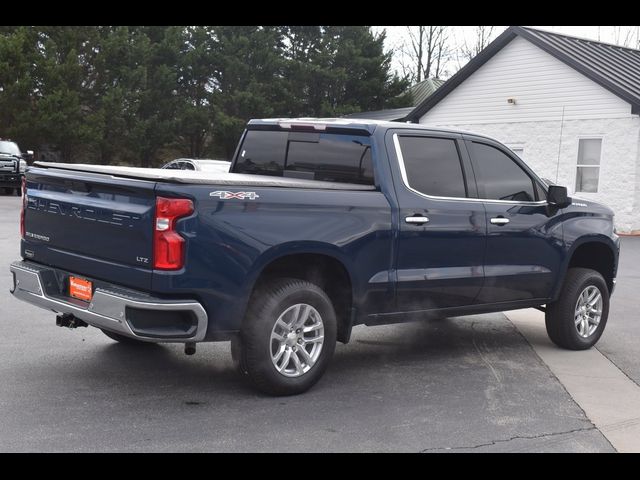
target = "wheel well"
x: 596, y: 256
x: 324, y: 271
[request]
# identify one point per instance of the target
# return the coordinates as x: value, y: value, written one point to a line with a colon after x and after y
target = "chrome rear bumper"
x: 109, y: 309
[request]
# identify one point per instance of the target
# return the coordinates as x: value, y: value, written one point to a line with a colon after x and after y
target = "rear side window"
x: 433, y: 166
x: 498, y: 176
x: 262, y: 153
x: 314, y: 156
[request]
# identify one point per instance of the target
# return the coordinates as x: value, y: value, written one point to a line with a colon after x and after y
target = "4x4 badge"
x: 235, y: 195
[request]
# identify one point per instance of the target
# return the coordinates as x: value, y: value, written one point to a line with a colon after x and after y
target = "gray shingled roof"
x: 613, y: 67
x: 389, y: 115
x: 420, y: 91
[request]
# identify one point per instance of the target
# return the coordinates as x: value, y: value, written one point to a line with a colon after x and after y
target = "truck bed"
x: 203, y: 178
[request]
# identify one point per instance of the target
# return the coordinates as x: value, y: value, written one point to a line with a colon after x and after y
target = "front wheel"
x: 288, y: 337
x: 577, y: 319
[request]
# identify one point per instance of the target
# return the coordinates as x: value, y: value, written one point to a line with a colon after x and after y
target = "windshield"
x: 9, y: 147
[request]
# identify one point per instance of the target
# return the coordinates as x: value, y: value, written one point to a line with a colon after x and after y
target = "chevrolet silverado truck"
x: 320, y: 225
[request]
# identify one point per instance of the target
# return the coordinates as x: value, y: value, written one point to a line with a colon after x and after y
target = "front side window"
x: 498, y: 176
x: 433, y: 166
x: 588, y: 169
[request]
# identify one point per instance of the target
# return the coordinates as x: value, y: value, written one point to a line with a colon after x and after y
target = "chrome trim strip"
x: 380, y: 277
x: 440, y: 273
x: 106, y: 310
x: 403, y: 174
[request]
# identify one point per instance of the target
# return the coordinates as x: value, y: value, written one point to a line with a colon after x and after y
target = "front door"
x: 442, y: 230
x: 524, y: 248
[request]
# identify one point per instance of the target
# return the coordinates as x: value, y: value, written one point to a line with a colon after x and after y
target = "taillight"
x: 168, y: 245
x: 24, y: 206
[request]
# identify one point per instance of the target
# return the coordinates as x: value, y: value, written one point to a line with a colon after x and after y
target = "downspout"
x: 560, y: 144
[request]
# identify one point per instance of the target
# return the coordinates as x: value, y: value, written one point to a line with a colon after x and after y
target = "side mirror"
x: 557, y: 196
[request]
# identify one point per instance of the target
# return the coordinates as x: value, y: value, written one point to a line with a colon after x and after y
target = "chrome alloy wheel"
x: 588, y: 311
x: 296, y: 340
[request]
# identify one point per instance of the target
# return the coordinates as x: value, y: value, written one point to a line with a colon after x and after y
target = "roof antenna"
x: 560, y: 144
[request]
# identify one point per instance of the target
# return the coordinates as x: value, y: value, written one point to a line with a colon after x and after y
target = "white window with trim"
x: 588, y: 166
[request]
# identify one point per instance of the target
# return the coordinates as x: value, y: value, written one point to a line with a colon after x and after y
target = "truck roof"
x: 361, y: 124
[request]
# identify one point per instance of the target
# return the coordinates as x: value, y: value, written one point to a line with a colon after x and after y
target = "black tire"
x: 560, y: 315
x: 124, y: 339
x: 236, y: 355
x: 252, y: 348
x: 18, y: 191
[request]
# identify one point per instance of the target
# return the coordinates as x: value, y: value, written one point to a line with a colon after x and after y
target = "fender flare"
x: 277, y: 252
x: 564, y: 268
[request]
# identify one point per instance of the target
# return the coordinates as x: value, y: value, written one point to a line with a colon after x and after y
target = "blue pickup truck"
x: 320, y: 225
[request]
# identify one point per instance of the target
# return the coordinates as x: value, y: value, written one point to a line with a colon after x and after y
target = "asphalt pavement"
x: 465, y: 384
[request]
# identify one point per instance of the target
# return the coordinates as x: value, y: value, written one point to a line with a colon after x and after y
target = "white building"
x: 569, y: 107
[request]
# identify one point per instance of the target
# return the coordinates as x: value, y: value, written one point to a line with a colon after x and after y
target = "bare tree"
x: 624, y: 36
x: 481, y: 38
x: 424, y: 52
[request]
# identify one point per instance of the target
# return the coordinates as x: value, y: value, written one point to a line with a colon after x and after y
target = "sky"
x: 609, y: 34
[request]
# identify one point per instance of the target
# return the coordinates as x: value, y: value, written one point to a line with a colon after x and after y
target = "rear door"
x: 523, y: 253
x: 442, y: 229
x: 91, y: 224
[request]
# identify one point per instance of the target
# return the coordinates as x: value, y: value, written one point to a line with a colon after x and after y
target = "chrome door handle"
x: 499, y: 221
x: 416, y: 220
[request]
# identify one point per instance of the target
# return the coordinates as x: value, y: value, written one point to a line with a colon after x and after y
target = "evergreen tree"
x: 249, y: 81
x: 197, y: 68
x: 152, y: 115
x: 140, y: 95
x: 18, y: 83
x: 63, y: 65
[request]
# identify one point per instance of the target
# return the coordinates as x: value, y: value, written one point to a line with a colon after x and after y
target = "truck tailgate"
x: 92, y: 224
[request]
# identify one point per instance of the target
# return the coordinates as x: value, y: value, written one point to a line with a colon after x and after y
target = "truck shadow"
x: 408, y: 350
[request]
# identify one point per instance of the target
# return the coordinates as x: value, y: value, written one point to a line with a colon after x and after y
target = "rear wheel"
x: 288, y: 337
x: 124, y: 339
x: 577, y: 319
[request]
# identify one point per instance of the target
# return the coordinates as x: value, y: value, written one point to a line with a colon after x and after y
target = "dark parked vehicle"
x: 13, y: 164
x: 323, y: 225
